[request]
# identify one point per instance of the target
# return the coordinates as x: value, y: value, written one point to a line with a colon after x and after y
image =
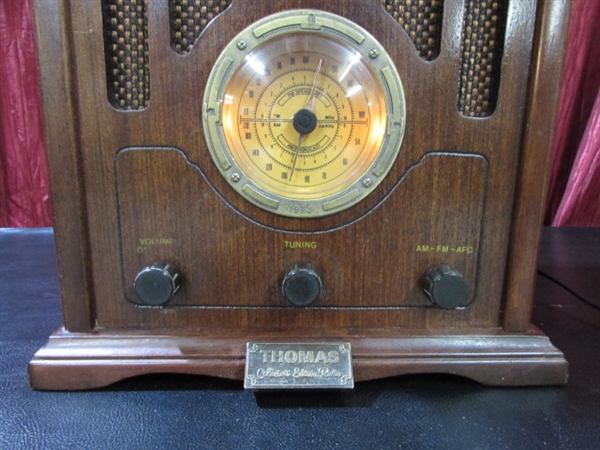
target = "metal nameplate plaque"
x: 298, y: 366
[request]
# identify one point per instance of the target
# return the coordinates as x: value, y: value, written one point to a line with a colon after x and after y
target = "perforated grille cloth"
x: 481, y: 55
x: 126, y: 52
x: 188, y: 19
x: 422, y: 21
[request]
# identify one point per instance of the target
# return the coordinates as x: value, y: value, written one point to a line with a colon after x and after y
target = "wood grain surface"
x: 133, y: 187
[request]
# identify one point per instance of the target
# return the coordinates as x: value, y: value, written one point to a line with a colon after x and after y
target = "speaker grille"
x: 422, y: 21
x: 189, y: 18
x: 483, y: 25
x: 126, y: 51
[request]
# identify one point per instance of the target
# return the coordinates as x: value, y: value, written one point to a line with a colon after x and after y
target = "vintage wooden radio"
x: 298, y: 193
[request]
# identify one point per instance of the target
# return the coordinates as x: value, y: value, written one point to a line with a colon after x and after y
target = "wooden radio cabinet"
x: 298, y: 172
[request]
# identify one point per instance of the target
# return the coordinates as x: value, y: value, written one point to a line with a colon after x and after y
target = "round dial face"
x: 304, y: 121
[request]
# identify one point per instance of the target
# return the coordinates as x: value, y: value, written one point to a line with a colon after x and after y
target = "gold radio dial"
x: 304, y: 113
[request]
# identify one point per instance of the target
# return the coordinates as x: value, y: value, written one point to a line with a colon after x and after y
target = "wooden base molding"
x: 76, y: 361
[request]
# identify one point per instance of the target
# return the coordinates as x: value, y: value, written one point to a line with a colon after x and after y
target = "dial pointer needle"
x: 309, y: 103
x: 300, y: 139
x: 314, y: 85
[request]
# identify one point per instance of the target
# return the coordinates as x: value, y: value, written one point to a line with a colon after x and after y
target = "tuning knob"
x: 302, y: 284
x: 157, y: 284
x: 445, y: 287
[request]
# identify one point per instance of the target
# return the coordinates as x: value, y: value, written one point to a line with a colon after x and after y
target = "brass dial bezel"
x: 329, y: 26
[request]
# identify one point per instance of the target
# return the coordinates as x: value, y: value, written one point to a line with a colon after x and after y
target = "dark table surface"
x: 417, y: 411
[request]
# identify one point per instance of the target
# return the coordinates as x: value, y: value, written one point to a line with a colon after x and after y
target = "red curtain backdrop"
x: 574, y: 193
x: 24, y: 198
x: 574, y: 185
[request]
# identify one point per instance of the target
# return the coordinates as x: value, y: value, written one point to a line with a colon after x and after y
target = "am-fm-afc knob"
x: 302, y: 284
x: 445, y: 287
x: 155, y: 285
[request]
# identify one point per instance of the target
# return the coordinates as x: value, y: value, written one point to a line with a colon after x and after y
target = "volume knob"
x: 157, y: 284
x: 445, y: 287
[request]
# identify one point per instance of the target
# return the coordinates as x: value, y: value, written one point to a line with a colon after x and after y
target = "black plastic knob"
x: 302, y: 284
x: 304, y: 121
x: 445, y: 287
x: 157, y: 284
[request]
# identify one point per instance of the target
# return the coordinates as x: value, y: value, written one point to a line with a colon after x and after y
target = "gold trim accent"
x: 341, y: 201
x: 342, y: 28
x: 328, y: 26
x: 260, y: 197
x: 277, y: 24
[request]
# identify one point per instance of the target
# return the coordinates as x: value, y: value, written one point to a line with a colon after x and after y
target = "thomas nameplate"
x: 298, y: 366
